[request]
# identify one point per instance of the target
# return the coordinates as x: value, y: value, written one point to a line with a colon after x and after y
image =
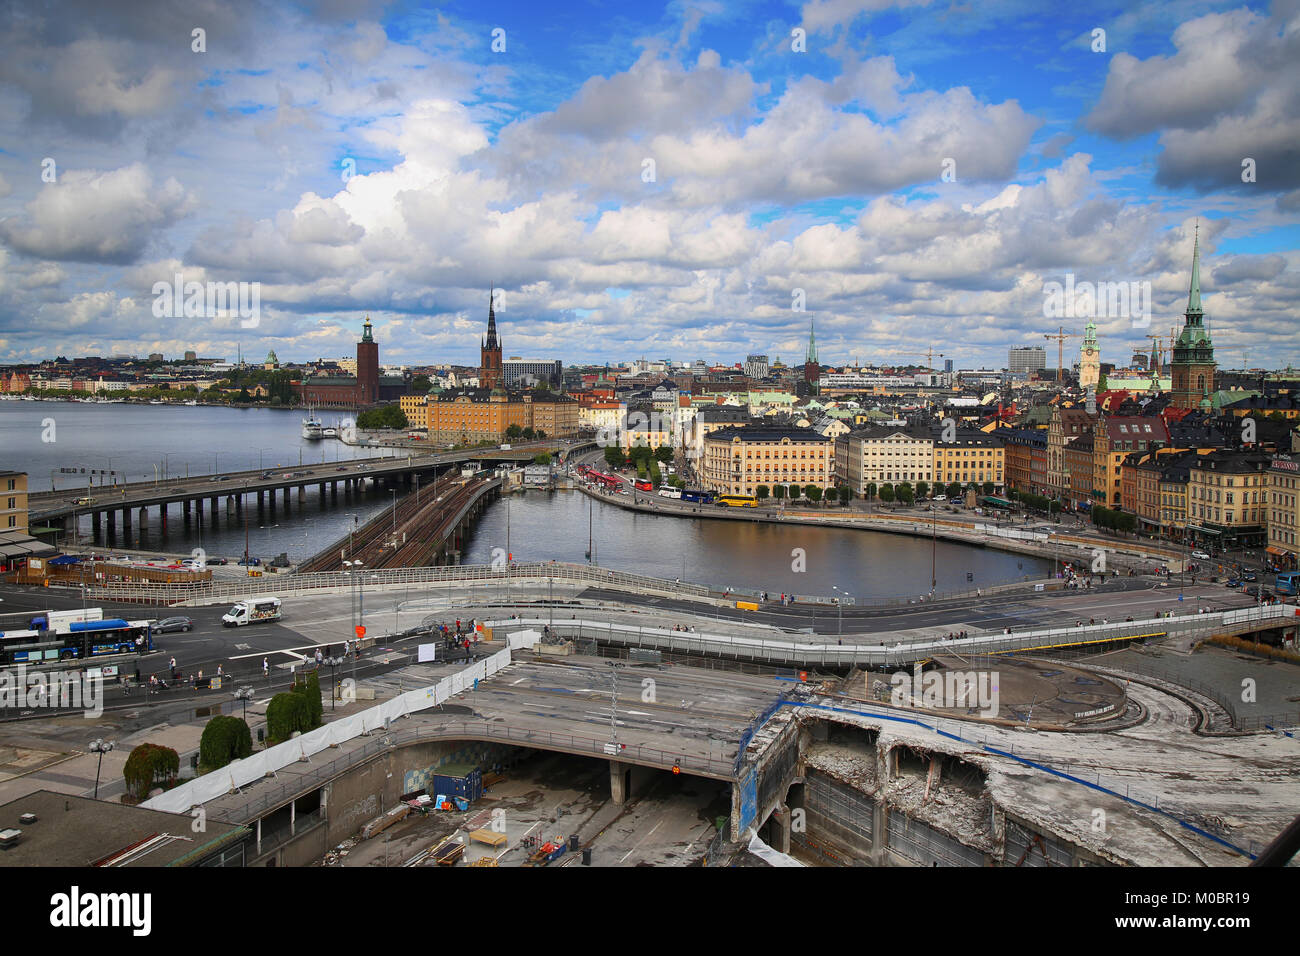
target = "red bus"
x: 644, y: 486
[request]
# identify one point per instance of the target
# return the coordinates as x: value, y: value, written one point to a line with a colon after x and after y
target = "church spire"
x: 1194, y: 292
x: 492, y: 320
x: 811, y: 357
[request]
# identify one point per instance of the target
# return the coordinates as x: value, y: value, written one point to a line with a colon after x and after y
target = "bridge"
x: 231, y: 488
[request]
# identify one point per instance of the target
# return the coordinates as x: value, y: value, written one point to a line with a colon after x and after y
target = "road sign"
x: 361, y: 631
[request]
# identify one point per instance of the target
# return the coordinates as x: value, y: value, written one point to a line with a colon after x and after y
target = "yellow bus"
x: 738, y: 501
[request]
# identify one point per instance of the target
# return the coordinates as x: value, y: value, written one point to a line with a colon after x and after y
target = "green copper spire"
x: 1194, y: 293
x: 1090, y: 336
x: 812, y: 343
x: 366, y: 335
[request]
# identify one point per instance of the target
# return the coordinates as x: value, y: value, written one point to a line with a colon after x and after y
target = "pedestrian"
x: 266, y: 667
x: 137, y: 673
x: 220, y: 671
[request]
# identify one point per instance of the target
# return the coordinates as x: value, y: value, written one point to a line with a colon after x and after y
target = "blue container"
x: 459, y: 781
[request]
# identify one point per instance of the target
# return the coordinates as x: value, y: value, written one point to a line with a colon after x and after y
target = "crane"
x: 928, y: 353
x: 1060, y: 337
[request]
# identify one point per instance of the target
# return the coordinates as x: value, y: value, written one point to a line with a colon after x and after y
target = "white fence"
x: 251, y: 769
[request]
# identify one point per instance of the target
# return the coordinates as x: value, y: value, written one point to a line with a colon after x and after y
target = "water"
x: 863, y: 564
x: 133, y: 439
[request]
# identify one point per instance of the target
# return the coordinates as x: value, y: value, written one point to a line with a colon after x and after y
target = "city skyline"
x: 677, y: 190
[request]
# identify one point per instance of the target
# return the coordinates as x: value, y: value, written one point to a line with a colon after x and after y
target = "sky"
x: 689, y: 180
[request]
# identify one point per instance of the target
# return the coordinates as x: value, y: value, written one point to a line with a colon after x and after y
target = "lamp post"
x: 840, y: 607
x: 613, y: 706
x: 244, y: 695
x: 100, y: 746
x: 934, y: 549
x: 332, y: 663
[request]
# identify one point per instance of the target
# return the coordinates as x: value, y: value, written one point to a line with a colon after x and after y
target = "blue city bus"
x: 696, y: 494
x: 84, y: 640
x: 1288, y: 582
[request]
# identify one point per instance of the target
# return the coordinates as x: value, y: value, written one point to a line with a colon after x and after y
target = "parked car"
x: 1250, y: 576
x: 1233, y: 583
x: 1201, y: 554
x: 174, y: 624
x: 251, y: 562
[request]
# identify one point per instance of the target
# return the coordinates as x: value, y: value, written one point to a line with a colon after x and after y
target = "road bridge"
x: 232, y: 488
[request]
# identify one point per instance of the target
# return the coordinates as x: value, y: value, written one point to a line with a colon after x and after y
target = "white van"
x: 252, y: 612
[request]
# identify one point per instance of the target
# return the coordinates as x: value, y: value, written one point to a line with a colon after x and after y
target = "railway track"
x: 406, y: 535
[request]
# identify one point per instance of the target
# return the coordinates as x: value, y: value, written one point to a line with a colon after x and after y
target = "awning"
x: 1271, y: 549
x: 65, y: 559
x: 15, y: 544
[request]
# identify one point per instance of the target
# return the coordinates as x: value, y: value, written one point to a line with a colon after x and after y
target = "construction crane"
x: 1060, y: 337
x: 928, y: 353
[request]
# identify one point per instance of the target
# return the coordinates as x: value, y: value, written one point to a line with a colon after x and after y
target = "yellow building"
x: 1284, y: 511
x: 971, y: 455
x: 884, y: 455
x: 469, y: 416
x: 737, y: 460
x: 1227, y: 496
x: 13, y: 501
x: 416, y: 410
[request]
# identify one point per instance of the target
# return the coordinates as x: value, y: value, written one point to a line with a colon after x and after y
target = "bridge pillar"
x: 94, y: 526
x: 781, y: 827
x: 620, y: 782
x: 162, y: 517
x: 239, y: 503
x: 215, y: 502
x: 334, y: 492
x: 186, y: 507
x: 144, y: 518
x: 261, y: 501
x: 112, y: 527
x: 321, y: 492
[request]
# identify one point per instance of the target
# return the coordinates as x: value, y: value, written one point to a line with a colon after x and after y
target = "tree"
x: 224, y: 739
x: 539, y: 434
x: 813, y: 493
x: 904, y: 493
x: 779, y: 492
x: 148, y: 765
x: 793, y: 491
x: 420, y: 385
x: 989, y: 488
x: 286, y: 713
x: 922, y: 490
x: 389, y: 416
x: 761, y: 492
x: 614, y: 457
x: 514, y: 431
x: 529, y: 434
x: 664, y: 454
x: 541, y: 458
x: 872, y: 490
x: 887, y: 493
x: 845, y: 494
x: 953, y: 490
x: 309, y: 688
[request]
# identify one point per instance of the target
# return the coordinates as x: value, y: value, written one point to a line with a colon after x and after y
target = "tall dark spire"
x: 492, y: 321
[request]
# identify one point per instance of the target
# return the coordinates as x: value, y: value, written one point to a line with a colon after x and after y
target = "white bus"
x: 669, y: 493
x: 252, y: 612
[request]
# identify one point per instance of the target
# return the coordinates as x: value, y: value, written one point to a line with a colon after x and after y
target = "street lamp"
x: 613, y: 707
x: 332, y: 663
x: 244, y: 695
x: 101, y: 747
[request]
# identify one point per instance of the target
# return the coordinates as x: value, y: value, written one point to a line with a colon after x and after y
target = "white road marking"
x: 642, y: 840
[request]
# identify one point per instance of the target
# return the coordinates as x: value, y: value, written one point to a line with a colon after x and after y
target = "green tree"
x: 761, y: 492
x: 514, y: 431
x: 664, y: 454
x: 286, y: 713
x: 614, y: 457
x: 656, y: 475
x: 149, y: 765
x: 309, y: 688
x: 845, y: 494
x: 387, y: 416
x: 224, y: 739
x: 793, y: 492
x: 420, y: 385
x: 812, y: 493
x: 922, y: 490
x: 539, y: 434
x: 529, y: 434
x: 904, y: 493
x: 779, y: 492
x: 953, y: 490
x: 989, y: 488
x: 541, y: 458
x: 872, y: 491
x: 887, y: 493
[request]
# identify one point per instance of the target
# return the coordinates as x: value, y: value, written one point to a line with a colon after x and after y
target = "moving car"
x: 1201, y: 554
x: 174, y: 624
